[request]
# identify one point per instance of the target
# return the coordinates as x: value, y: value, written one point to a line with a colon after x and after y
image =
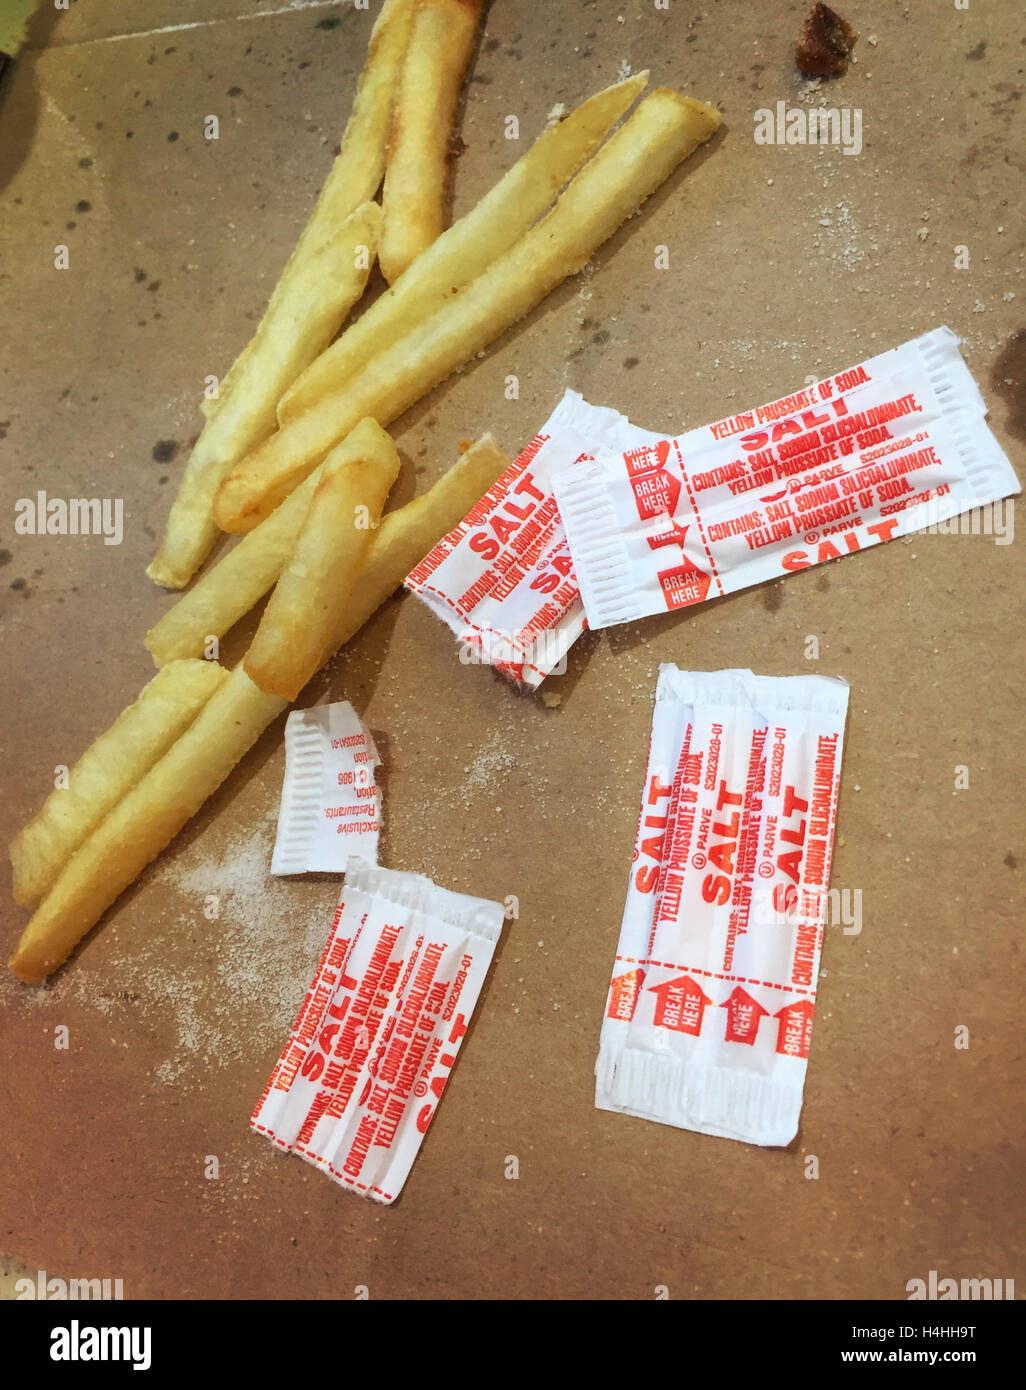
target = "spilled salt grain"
x: 235, y: 993
x: 488, y: 767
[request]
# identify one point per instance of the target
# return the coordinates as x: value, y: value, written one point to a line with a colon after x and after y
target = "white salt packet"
x: 891, y: 446
x: 709, y: 1011
x: 360, y: 1076
x: 330, y: 806
x: 503, y: 580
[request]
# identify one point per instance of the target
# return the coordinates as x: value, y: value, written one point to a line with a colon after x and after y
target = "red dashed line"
x: 698, y: 518
x: 715, y: 975
x: 318, y: 1158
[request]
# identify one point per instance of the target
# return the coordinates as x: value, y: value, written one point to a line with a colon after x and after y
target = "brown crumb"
x: 551, y: 699
x: 825, y: 42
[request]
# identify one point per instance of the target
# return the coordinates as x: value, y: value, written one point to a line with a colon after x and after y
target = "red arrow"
x: 744, y: 1014
x: 655, y: 489
x: 679, y: 1005
x: 646, y: 457
x: 683, y: 585
x: 795, y: 1028
x: 623, y: 994
x: 655, y: 493
x: 675, y: 536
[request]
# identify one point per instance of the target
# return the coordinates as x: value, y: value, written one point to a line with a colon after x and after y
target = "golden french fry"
x: 112, y: 764
x: 406, y: 535
x: 413, y: 198
x: 358, y: 169
x: 294, y: 636
x: 360, y: 230
x: 469, y: 246
x: 360, y: 164
x: 312, y: 299
x: 232, y: 586
x: 662, y: 131
x: 174, y: 789
x: 242, y: 577
x: 144, y: 822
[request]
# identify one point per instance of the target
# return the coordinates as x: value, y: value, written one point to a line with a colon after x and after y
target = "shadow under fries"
x: 19, y: 94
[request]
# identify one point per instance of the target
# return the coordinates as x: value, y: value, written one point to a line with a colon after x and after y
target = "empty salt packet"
x: 503, y: 580
x: 330, y: 807
x: 375, y: 1041
x: 893, y: 445
x: 709, y: 1012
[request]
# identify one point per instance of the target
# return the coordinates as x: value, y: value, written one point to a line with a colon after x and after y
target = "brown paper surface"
x: 783, y: 262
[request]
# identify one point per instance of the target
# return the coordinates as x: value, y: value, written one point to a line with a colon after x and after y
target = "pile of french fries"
x: 294, y: 452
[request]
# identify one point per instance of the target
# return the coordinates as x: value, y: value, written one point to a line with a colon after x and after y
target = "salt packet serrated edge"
x: 328, y: 791
x: 676, y: 1058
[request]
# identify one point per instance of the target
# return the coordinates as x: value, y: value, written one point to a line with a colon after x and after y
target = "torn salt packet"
x: 893, y: 445
x: 503, y: 580
x: 359, y: 1078
x: 709, y: 1011
x: 330, y: 807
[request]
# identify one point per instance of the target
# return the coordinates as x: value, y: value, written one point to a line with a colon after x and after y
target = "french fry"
x: 232, y: 586
x: 286, y: 341
x: 295, y: 632
x: 359, y: 167
x: 144, y: 822
x: 173, y: 790
x: 112, y: 764
x: 242, y: 577
x: 360, y: 164
x: 406, y: 535
x: 311, y: 300
x: 469, y: 246
x: 662, y: 131
x: 413, y: 198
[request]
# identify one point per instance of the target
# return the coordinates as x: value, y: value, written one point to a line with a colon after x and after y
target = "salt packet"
x: 709, y: 1013
x: 503, y: 580
x: 377, y: 1036
x: 885, y: 448
x: 330, y: 806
